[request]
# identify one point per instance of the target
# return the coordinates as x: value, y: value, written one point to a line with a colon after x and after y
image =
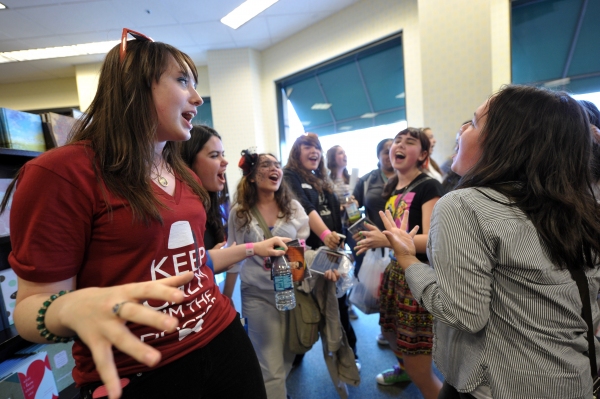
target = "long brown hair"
x: 332, y: 165
x: 545, y: 169
x: 120, y: 127
x: 188, y: 150
x: 317, y: 179
x: 425, y: 144
x: 246, y: 196
x: 121, y: 124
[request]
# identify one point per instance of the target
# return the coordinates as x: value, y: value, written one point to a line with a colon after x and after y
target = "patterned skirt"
x: 400, y: 313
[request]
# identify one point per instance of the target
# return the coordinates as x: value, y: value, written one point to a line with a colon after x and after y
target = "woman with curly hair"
x: 262, y: 190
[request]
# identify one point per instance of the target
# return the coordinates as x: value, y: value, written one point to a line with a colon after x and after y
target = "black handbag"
x: 584, y: 292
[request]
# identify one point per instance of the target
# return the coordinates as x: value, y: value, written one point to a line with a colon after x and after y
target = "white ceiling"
x: 193, y: 26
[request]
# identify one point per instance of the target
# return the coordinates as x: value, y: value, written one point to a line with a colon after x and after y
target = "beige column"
x: 87, y: 76
x: 465, y: 57
x: 235, y: 94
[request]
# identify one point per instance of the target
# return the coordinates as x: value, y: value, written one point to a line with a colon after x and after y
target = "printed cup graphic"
x: 180, y: 235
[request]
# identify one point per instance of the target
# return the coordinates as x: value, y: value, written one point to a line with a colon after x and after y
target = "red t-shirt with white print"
x: 61, y: 228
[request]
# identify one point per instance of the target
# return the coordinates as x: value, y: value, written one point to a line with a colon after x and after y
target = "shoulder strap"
x: 414, y: 184
x: 584, y: 292
x: 261, y: 222
x: 366, y: 186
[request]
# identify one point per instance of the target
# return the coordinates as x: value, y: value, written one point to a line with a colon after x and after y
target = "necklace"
x: 162, y: 181
x: 159, y: 178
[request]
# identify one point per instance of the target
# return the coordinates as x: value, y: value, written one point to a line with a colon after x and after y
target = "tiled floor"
x: 311, y: 380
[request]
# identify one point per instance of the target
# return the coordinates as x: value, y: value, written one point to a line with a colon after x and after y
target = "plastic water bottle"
x: 282, y: 281
x: 352, y: 210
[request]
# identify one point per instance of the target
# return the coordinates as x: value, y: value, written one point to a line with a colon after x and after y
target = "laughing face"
x: 210, y: 165
x: 175, y: 98
x: 469, y: 146
x: 268, y: 174
x: 406, y: 153
x: 310, y: 156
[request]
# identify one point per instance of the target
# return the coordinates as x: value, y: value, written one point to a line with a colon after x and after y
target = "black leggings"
x: 225, y: 368
x: 345, y: 321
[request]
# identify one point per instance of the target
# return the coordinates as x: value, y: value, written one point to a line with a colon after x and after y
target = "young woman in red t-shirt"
x: 116, y: 217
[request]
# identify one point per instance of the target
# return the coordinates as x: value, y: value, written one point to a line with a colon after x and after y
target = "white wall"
x: 73, y: 92
x: 44, y: 94
x: 87, y: 76
x: 234, y: 78
x: 465, y: 57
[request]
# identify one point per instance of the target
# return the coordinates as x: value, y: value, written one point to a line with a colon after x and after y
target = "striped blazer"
x: 505, y: 315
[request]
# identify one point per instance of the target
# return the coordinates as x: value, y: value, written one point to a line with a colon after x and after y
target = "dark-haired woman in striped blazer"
x: 503, y: 248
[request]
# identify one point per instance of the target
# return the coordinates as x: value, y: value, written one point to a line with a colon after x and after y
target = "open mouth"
x: 274, y: 177
x: 221, y: 177
x: 313, y: 158
x: 400, y: 156
x: 188, y: 116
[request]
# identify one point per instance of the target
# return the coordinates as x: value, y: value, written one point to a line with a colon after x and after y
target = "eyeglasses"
x: 136, y: 36
x: 269, y: 164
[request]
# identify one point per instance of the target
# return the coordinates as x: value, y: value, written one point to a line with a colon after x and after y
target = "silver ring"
x: 117, y: 308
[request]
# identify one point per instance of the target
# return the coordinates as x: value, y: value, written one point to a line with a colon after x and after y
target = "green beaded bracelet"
x: 41, y: 325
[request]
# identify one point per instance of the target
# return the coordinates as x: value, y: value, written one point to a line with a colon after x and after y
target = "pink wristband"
x: 324, y: 234
x: 249, y: 249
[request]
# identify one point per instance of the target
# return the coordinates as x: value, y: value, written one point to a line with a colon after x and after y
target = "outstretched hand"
x: 402, y: 242
x: 369, y: 239
x: 90, y: 313
x: 267, y: 247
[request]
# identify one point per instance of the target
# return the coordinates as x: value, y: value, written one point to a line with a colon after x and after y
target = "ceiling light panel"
x: 58, y: 52
x: 245, y: 12
x: 321, y: 106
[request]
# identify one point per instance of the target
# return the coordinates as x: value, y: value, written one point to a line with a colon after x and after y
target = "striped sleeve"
x: 457, y: 291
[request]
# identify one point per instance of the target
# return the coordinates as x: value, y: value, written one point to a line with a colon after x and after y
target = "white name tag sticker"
x: 305, y: 185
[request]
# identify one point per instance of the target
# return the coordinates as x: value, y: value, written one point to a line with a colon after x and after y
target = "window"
x: 555, y: 44
x: 363, y: 89
x: 204, y: 115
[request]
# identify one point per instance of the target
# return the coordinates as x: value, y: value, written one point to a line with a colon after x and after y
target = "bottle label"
x: 354, y: 218
x: 283, y: 283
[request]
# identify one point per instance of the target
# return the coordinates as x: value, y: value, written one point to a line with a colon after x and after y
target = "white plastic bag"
x: 365, y: 293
